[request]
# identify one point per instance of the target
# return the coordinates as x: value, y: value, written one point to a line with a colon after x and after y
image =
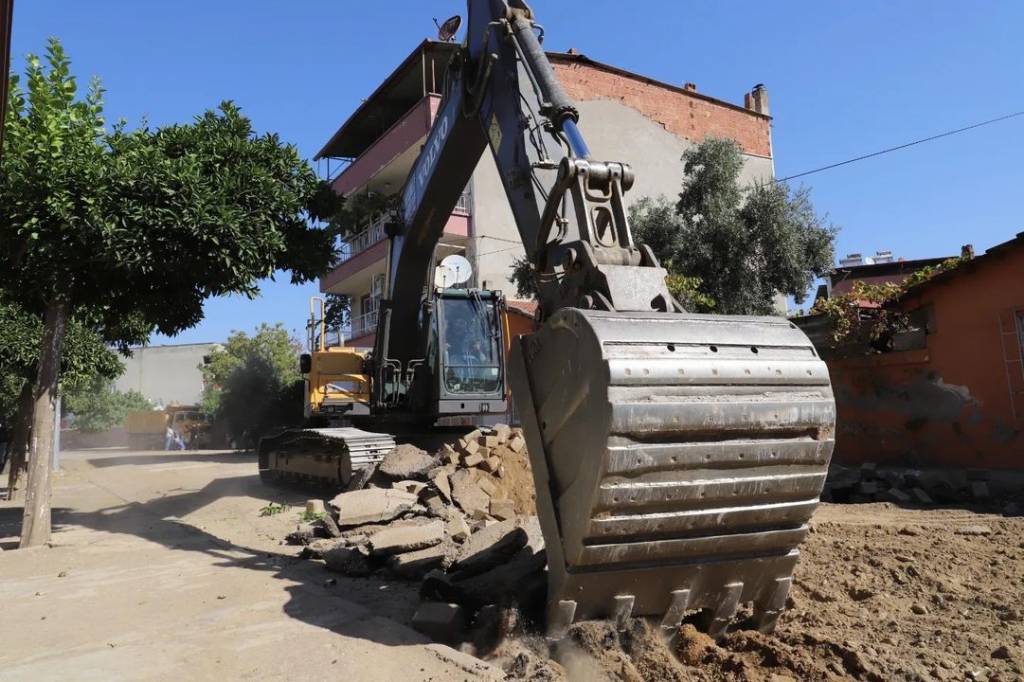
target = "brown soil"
x: 881, y: 593
x: 516, y: 483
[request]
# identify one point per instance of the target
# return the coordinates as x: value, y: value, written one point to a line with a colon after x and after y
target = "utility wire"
x: 902, y: 146
x: 489, y: 253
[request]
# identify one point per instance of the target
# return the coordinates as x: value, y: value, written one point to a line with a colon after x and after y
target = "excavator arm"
x: 677, y: 457
x: 502, y: 93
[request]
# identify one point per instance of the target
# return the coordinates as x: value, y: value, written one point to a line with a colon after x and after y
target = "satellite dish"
x: 446, y: 31
x: 459, y: 266
x: 444, y: 277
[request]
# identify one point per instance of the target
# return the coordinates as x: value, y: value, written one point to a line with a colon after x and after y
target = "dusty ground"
x: 163, y: 569
x: 881, y: 593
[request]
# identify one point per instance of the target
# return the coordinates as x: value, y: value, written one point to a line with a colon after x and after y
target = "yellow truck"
x: 147, y: 429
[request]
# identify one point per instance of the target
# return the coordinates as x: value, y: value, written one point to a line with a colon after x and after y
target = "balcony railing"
x: 364, y: 324
x: 361, y: 241
x: 462, y: 205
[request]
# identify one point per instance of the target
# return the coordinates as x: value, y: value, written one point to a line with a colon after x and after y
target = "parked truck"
x: 147, y: 429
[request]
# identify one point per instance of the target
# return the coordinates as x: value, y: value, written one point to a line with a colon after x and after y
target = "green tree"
x: 727, y: 249
x: 656, y: 223
x: 253, y: 384
x: 524, y: 276
x: 86, y: 357
x: 109, y: 222
x: 337, y: 309
x: 98, y: 407
x: 742, y: 246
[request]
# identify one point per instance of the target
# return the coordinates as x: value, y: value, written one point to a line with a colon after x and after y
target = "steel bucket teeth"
x: 677, y: 460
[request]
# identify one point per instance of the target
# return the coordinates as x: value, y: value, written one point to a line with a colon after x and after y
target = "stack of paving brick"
x: 921, y: 487
x: 443, y: 519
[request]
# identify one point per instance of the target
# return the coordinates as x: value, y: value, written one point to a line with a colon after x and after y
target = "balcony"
x: 363, y: 325
x: 387, y: 161
x: 374, y: 232
x: 361, y: 241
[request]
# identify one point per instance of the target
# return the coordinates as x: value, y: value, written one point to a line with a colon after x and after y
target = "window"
x: 472, y: 353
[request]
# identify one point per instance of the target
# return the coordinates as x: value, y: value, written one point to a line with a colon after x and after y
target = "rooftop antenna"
x: 446, y: 31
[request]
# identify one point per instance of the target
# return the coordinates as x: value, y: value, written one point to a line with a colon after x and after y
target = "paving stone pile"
x: 923, y: 487
x: 452, y: 520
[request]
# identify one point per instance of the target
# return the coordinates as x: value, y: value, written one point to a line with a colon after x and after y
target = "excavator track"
x: 677, y: 460
x: 327, y: 456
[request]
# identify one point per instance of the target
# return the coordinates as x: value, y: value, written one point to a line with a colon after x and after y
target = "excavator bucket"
x: 677, y: 460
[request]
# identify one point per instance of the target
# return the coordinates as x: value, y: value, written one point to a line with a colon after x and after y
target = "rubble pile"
x: 461, y: 521
x: 921, y: 487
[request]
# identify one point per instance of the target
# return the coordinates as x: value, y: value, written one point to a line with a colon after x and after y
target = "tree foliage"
x: 98, y: 407
x: 866, y: 320
x: 524, y: 276
x: 149, y: 221
x: 655, y: 223
x: 337, y: 310
x: 727, y: 249
x: 86, y: 357
x: 253, y: 384
x: 110, y: 225
x: 741, y: 246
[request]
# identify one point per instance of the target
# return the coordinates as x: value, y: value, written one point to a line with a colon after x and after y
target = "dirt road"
x: 162, y: 569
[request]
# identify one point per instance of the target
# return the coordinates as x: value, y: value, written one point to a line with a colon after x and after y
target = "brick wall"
x: 683, y: 114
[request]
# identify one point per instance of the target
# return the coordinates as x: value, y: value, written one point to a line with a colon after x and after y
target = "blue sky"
x: 845, y: 78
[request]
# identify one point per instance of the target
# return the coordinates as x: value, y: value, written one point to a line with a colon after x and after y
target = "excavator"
x: 677, y: 457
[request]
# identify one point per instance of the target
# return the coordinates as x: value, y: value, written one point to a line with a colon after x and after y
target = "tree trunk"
x: 19, y: 438
x: 35, y: 525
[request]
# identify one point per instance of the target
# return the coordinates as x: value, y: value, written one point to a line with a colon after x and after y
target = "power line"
x: 489, y: 253
x: 902, y: 146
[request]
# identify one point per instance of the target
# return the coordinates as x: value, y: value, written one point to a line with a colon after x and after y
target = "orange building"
x: 955, y: 396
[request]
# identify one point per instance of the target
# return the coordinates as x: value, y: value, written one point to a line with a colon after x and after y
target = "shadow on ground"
x: 152, y: 457
x: 313, y: 597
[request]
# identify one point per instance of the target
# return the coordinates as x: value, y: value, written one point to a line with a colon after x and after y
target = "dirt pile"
x: 880, y: 593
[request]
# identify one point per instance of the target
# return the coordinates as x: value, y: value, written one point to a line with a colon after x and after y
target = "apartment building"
x: 625, y: 117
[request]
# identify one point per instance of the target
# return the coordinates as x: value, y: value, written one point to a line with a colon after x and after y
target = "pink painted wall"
x: 353, y: 265
x: 398, y: 138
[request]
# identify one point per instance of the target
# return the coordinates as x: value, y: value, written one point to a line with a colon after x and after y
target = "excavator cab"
x: 470, y: 351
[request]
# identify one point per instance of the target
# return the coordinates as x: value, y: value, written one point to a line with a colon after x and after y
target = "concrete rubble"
x: 372, y: 505
x: 407, y: 461
x: 445, y: 519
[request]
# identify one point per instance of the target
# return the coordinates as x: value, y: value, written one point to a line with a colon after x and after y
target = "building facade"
x: 624, y: 116
x: 952, y: 392
x: 166, y: 375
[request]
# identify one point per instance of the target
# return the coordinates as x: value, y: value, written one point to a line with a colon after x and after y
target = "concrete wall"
x: 959, y: 401
x: 166, y: 374
x: 615, y: 132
